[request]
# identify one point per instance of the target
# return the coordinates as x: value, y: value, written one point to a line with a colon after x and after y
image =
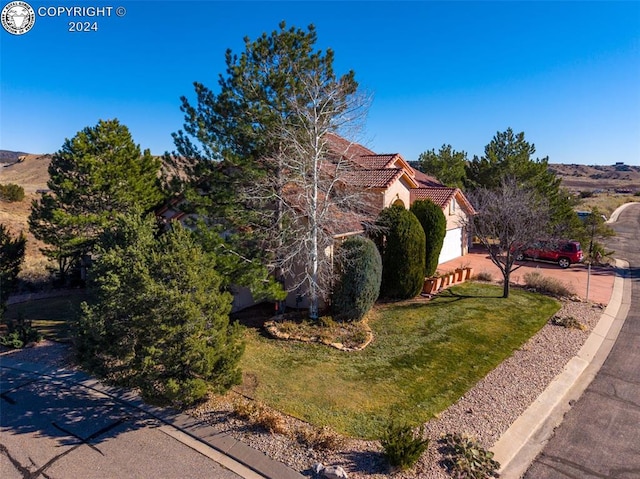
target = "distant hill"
x: 7, y: 156
x: 32, y: 173
x: 620, y: 178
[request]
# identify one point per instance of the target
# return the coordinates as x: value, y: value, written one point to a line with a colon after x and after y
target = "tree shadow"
x: 444, y: 298
x: 632, y: 273
x: 255, y: 316
x: 42, y: 396
x: 64, y: 411
x: 369, y: 462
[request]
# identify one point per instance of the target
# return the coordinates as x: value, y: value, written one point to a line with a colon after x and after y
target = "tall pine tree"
x: 95, y: 175
x: 510, y: 157
x: 263, y: 139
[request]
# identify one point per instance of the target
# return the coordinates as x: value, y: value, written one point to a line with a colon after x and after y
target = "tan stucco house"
x: 391, y: 180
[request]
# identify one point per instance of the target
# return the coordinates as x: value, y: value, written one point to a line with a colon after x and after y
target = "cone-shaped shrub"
x: 434, y: 224
x: 360, y: 274
x: 402, y: 246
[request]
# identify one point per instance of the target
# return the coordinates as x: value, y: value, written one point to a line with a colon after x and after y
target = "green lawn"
x: 425, y: 356
x: 50, y: 316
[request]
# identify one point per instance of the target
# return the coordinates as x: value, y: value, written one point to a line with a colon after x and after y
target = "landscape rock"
x: 334, y: 472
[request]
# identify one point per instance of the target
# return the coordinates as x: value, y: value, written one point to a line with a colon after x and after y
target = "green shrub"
x: 11, y: 192
x: 173, y: 338
x: 543, y: 284
x: 466, y: 458
x: 12, y: 251
x: 360, y: 275
x: 401, y: 242
x: 434, y: 224
x: 402, y: 446
x: 19, y: 333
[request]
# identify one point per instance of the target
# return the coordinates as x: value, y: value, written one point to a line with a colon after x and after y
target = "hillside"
x: 7, y: 156
x: 598, y: 178
x: 31, y: 172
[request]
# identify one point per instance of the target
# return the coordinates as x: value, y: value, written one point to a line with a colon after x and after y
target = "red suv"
x: 565, y: 253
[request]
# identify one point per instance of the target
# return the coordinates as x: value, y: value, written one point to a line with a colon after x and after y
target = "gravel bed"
x: 49, y: 353
x: 485, y: 412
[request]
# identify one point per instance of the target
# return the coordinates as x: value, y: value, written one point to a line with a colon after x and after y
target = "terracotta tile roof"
x: 374, y: 178
x: 346, y: 148
x: 439, y: 195
x: 344, y: 223
x: 375, y: 162
x: 425, y: 180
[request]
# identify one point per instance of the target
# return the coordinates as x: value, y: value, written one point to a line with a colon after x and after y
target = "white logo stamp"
x: 18, y: 17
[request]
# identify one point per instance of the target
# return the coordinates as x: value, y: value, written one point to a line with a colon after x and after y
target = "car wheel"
x: 519, y: 257
x: 564, y: 263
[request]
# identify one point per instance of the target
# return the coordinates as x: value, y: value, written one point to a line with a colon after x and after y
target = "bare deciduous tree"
x: 312, y: 192
x: 508, y: 219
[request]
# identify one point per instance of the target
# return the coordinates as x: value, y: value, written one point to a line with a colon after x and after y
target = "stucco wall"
x: 399, y: 190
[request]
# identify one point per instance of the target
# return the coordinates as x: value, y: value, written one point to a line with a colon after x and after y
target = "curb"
x: 614, y: 216
x: 518, y: 447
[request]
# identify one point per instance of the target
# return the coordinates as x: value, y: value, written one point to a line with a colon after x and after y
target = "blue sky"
x: 565, y: 73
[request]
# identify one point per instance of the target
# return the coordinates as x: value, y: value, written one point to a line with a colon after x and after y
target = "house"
x: 384, y: 180
x: 390, y: 180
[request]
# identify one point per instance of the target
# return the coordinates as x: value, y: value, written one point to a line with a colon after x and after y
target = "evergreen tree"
x: 360, y: 275
x: 95, y: 175
x: 11, y: 258
x: 447, y: 165
x: 402, y: 247
x: 159, y: 320
x: 434, y: 224
x: 509, y: 157
x: 259, y: 151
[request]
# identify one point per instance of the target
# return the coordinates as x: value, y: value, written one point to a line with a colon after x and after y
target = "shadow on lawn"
x: 452, y: 294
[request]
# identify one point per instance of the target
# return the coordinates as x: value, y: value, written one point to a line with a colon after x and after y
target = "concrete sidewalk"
x: 236, y: 456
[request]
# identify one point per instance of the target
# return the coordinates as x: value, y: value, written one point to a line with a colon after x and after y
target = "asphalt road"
x: 600, y: 436
x: 59, y: 430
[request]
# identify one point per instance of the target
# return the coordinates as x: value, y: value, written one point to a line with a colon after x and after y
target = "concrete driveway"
x: 596, y: 286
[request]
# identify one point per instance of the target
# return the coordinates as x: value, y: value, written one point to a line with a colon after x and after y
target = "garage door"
x: 452, y: 246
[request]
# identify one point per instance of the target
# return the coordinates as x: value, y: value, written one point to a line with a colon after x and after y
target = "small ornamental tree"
x: 358, y: 287
x: 434, y: 224
x: 159, y: 320
x: 402, y: 246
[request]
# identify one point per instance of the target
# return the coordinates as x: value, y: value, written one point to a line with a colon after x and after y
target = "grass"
x: 425, y: 356
x: 49, y: 316
x: 605, y: 203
